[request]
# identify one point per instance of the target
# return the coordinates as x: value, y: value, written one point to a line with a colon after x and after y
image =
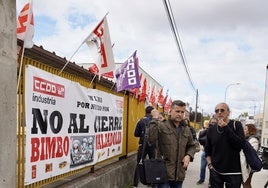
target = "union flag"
x: 25, y: 26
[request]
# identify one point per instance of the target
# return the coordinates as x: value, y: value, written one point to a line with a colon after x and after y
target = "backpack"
x: 145, y: 135
x: 251, y: 156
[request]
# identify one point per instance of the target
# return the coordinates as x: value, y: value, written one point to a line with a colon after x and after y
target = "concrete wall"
x: 8, y: 97
x: 116, y: 175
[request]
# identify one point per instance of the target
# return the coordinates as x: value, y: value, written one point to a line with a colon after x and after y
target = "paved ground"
x: 258, y: 181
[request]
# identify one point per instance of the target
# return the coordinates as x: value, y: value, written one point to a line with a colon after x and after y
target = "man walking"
x: 224, y: 142
x: 149, y: 149
x: 175, y: 144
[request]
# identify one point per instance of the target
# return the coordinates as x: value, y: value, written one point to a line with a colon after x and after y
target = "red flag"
x: 160, y: 97
x: 94, y: 69
x: 168, y: 105
x: 100, y: 45
x: 143, y: 91
x: 108, y: 74
x: 25, y: 26
x: 165, y: 100
x: 152, y: 99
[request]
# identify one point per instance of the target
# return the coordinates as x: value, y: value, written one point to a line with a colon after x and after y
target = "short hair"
x: 213, y: 118
x: 252, y: 130
x: 206, y: 124
x: 178, y: 103
x: 148, y: 109
x: 225, y: 104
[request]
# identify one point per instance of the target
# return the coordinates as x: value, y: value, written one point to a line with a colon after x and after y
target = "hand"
x: 210, y: 167
x: 186, y: 161
x: 222, y: 123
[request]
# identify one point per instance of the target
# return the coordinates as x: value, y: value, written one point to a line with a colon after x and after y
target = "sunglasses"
x: 219, y: 110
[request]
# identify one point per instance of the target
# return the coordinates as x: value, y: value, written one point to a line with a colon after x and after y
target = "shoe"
x: 199, y: 182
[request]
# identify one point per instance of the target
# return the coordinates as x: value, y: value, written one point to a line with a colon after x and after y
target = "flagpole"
x: 71, y: 58
x: 112, y: 86
x: 21, y: 60
x: 92, y: 79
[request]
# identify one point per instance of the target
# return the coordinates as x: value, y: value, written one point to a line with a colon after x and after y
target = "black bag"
x: 252, y: 157
x: 152, y: 171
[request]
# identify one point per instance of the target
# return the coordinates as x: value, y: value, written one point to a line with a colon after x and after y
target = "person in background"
x: 250, y: 134
x: 197, y: 145
x: 149, y: 149
x: 224, y: 143
x: 202, y: 138
x: 187, y: 122
x: 161, y: 116
x: 175, y: 144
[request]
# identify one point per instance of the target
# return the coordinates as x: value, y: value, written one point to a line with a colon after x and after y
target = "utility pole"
x: 196, y: 106
x: 8, y: 95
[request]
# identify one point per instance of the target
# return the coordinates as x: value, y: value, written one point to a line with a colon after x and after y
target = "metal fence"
x: 133, y: 110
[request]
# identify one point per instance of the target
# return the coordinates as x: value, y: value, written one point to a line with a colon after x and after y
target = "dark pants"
x: 218, y: 180
x: 150, y: 151
x: 171, y: 184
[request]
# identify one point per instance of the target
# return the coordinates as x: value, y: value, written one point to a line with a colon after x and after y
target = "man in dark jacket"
x: 175, y: 144
x: 224, y: 142
x: 149, y: 148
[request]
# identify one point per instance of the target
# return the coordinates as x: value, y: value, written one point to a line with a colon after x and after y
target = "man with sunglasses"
x: 224, y: 142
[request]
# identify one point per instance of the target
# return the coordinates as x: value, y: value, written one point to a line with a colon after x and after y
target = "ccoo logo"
x: 50, y: 88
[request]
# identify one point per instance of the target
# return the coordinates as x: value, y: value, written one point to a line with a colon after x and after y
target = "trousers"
x: 203, y: 166
x: 230, y: 181
x: 171, y: 184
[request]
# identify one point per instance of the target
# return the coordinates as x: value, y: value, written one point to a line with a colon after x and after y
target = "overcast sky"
x: 224, y: 42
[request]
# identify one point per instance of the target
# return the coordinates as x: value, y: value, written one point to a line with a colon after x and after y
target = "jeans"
x: 171, y: 184
x: 203, y: 166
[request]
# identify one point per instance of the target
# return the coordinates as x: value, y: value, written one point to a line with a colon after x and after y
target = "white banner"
x: 68, y: 126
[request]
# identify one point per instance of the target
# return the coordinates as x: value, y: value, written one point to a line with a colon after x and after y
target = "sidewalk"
x: 192, y: 176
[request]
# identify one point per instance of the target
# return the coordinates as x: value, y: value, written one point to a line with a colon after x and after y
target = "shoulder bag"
x: 152, y: 171
x: 252, y: 157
